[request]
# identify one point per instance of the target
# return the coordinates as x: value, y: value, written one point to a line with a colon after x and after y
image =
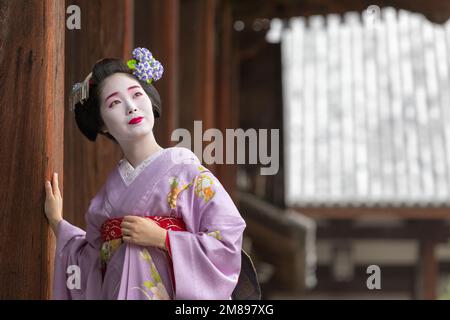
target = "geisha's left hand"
x: 143, y: 232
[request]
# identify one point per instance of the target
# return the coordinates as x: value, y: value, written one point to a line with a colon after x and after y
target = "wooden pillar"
x: 197, y: 71
x: 432, y: 232
x: 225, y: 109
x: 31, y: 131
x: 157, y: 28
x: 205, y: 109
x: 427, y: 270
x: 128, y: 34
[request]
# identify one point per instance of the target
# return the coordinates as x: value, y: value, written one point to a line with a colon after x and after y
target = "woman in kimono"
x: 162, y: 226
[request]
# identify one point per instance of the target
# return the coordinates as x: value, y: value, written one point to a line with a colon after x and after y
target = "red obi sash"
x: 111, y: 230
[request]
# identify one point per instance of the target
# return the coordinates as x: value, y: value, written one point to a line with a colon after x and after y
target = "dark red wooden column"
x: 31, y: 131
x: 226, y: 111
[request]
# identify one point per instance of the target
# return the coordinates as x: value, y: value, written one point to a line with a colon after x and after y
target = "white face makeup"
x: 125, y: 108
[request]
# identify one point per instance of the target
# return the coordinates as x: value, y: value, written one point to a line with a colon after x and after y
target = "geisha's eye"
x: 140, y: 94
x: 111, y: 105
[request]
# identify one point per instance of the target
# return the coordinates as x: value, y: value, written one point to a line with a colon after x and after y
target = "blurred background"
x: 359, y: 91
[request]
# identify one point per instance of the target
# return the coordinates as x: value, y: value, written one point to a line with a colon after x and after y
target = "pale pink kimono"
x: 206, y: 258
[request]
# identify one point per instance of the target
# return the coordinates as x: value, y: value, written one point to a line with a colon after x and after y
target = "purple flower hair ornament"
x: 145, y: 67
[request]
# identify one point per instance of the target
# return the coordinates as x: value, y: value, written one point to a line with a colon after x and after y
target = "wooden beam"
x: 438, y: 231
x: 425, y: 213
x: 435, y: 10
x: 277, y: 239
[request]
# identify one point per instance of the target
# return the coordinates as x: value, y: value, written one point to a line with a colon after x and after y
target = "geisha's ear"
x: 104, y: 131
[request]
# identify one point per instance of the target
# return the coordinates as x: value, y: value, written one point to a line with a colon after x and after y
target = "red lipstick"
x: 135, y: 120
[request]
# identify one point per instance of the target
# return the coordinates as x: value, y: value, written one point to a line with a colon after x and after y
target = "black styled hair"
x: 87, y: 115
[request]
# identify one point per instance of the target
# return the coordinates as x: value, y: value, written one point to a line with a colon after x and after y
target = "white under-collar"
x: 128, y: 173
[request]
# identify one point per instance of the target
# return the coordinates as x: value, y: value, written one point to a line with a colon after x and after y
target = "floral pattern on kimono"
x: 108, y: 249
x: 203, y: 187
x: 214, y: 234
x: 153, y: 288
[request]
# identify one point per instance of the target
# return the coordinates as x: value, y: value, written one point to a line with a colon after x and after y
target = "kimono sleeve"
x: 77, y: 273
x: 206, y: 258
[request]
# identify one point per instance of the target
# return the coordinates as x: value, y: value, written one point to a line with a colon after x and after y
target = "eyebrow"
x: 113, y: 94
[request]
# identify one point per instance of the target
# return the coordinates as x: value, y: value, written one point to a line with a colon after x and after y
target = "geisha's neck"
x: 138, y: 150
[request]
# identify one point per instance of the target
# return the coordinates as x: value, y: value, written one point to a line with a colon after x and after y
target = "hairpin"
x: 80, y: 92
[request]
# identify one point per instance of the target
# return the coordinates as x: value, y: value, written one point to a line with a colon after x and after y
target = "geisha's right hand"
x: 53, y: 202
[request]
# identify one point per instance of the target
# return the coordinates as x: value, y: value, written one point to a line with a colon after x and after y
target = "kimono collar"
x: 128, y: 173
